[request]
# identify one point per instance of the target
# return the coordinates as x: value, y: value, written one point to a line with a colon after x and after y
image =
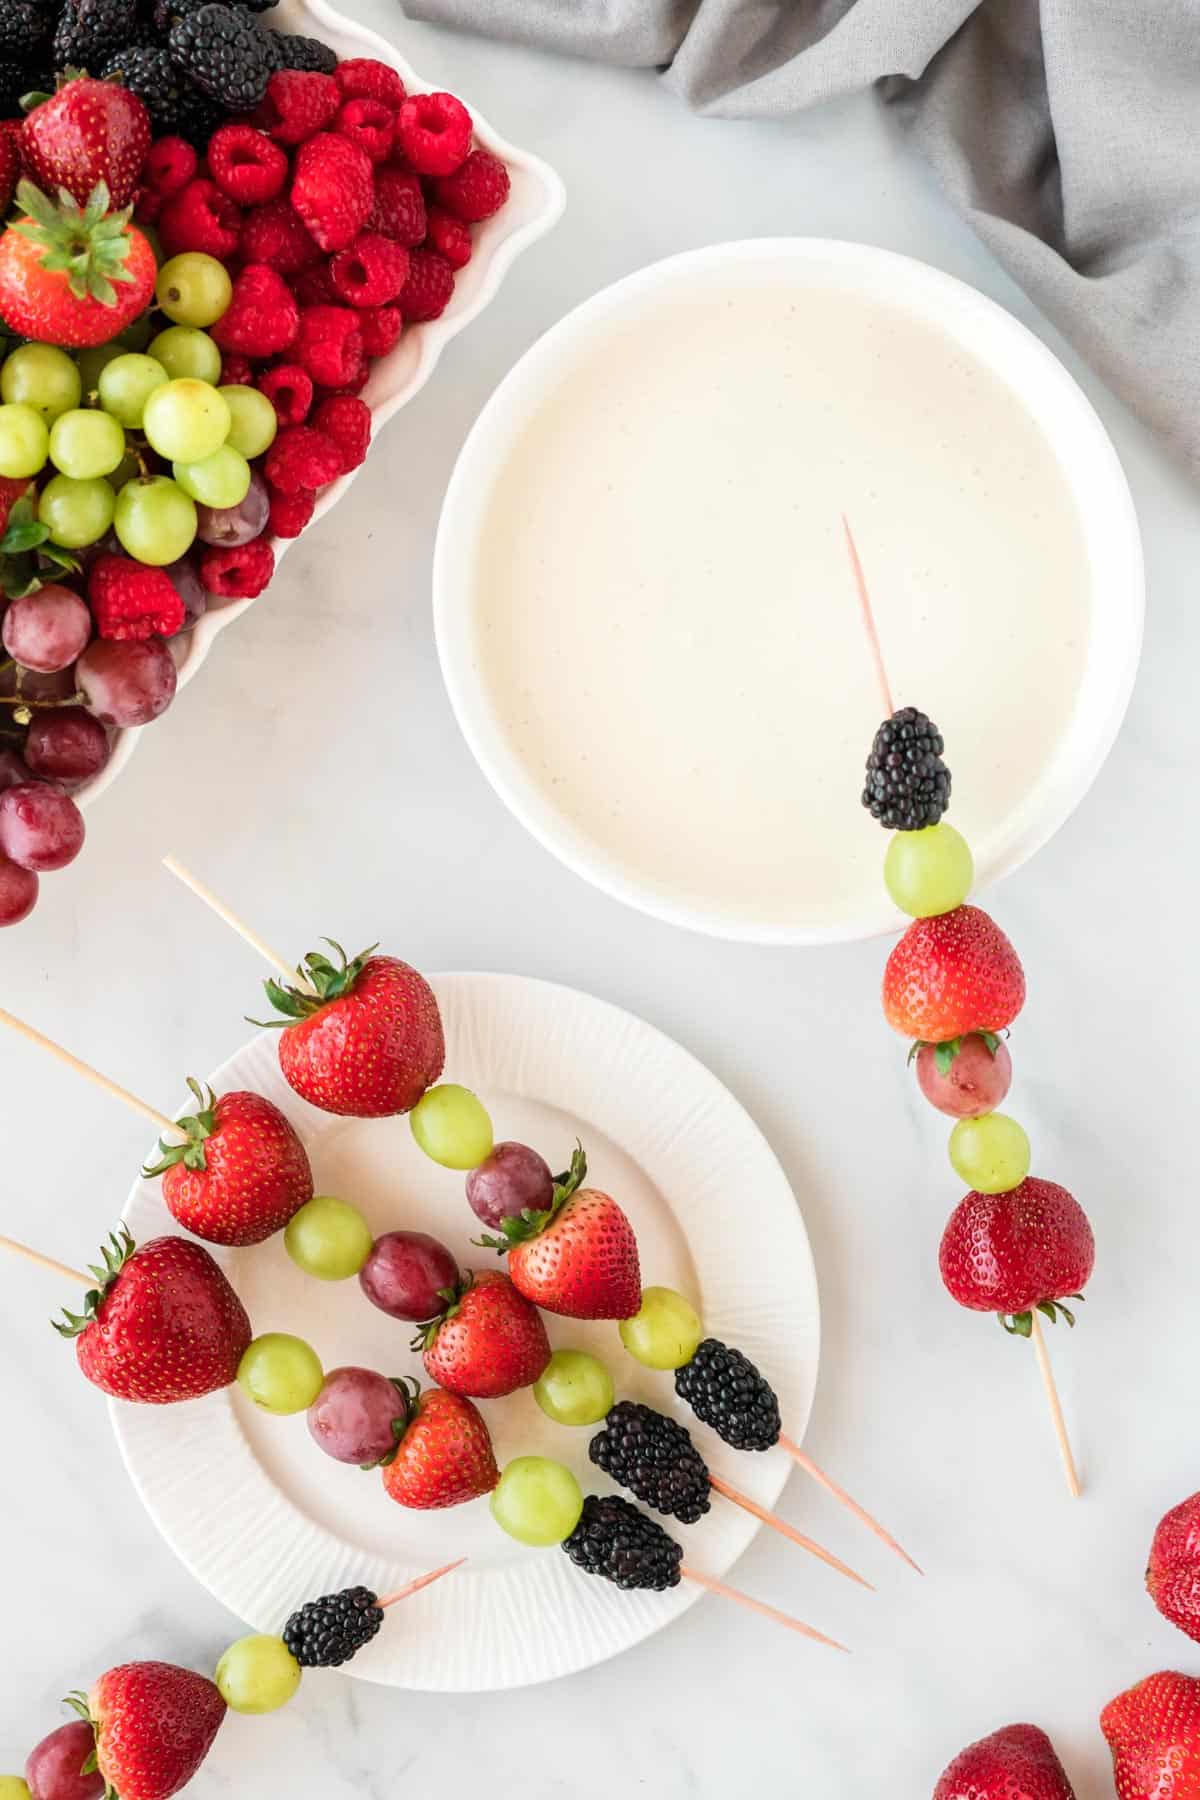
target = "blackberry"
x: 197, y: 117
x: 163, y: 13
x: 654, y: 1458
x: 225, y: 54
x: 613, y: 1539
x: 89, y: 31
x: 725, y: 1390
x: 22, y: 25
x: 151, y: 74
x: 307, y: 54
x: 327, y: 1632
x: 908, y: 784
x: 17, y: 78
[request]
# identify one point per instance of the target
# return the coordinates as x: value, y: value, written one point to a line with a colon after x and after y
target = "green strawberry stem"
x: 88, y: 244
x: 530, y: 1222
x: 196, y: 1127
x: 944, y: 1054
x: 116, y: 1253
x: 426, y: 1334
x: 1021, y: 1324
x: 322, y: 981
x: 409, y: 1392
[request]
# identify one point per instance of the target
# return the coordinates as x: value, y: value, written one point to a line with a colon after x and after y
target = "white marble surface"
x: 315, y: 774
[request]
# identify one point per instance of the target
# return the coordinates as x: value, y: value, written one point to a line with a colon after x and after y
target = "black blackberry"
x: 614, y: 1539
x: 223, y: 51
x: 327, y: 1632
x: 197, y: 117
x: 16, y: 79
x: 908, y: 784
x: 725, y: 1390
x: 304, y: 53
x: 88, y: 32
x: 654, y: 1458
x: 151, y: 74
x: 163, y: 13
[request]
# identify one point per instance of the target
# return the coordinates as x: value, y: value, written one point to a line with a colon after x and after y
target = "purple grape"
x: 46, y: 630
x: 185, y: 578
x: 53, y: 1770
x: 18, y: 892
x: 404, y: 1272
x: 41, y: 827
x: 68, y: 745
x: 511, y: 1179
x: 352, y: 1416
x: 13, y: 772
x: 128, y: 682
x: 230, y: 526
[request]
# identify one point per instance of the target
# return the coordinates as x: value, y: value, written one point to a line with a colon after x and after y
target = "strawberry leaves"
x: 944, y: 1054
x: 115, y: 1254
x: 198, y: 1126
x: 409, y: 1392
x: 530, y: 1222
x: 1021, y: 1324
x: 327, y: 980
x: 88, y: 244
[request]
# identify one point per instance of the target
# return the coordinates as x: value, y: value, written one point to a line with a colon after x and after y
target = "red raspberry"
x: 147, y: 204
x: 290, y: 390
x: 354, y: 383
x: 381, y: 327
x: 200, y: 217
x: 276, y: 234
x: 426, y: 293
x: 329, y: 345
x: 370, y: 272
x: 399, y: 210
x: 347, y: 420
x: 332, y: 189
x: 312, y: 287
x: 170, y: 164
x: 236, y: 370
x: 476, y: 190
x: 246, y: 165
x: 290, y: 513
x: 363, y: 75
x: 449, y: 236
x: 302, y: 458
x: 369, y: 124
x: 238, y: 573
x: 262, y: 318
x: 131, y: 600
x: 296, y: 105
x: 433, y: 133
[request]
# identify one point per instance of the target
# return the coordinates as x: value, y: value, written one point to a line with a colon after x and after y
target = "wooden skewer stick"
x: 786, y: 1530
x: 244, y: 931
x: 420, y: 1581
x: 159, y: 1120
x: 46, y: 1262
x: 1056, y: 1412
x: 805, y: 1462
x: 759, y: 1606
x: 868, y: 619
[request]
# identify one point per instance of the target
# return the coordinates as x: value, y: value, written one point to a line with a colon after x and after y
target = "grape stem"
x: 413, y: 1587
x: 40, y: 705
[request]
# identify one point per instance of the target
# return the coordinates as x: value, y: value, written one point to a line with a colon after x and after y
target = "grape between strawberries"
x: 665, y: 1330
x: 280, y: 1373
x: 328, y: 1238
x: 452, y: 1127
x: 574, y: 1388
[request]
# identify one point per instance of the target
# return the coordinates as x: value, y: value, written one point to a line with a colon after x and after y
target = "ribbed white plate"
x: 265, y: 1521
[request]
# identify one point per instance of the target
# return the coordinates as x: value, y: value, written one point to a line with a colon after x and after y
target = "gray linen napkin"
x: 1066, y: 132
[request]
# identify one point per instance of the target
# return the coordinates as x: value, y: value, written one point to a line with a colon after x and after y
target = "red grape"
x: 52, y: 1769
x: 230, y: 526
x: 67, y: 745
x: 18, y: 892
x: 46, y: 630
x: 351, y: 1418
x: 127, y: 682
x: 512, y: 1178
x: 40, y: 826
x: 975, y: 1080
x: 404, y: 1272
x: 185, y: 578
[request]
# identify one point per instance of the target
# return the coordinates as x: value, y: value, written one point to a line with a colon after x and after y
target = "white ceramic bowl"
x: 975, y: 329
x: 534, y: 205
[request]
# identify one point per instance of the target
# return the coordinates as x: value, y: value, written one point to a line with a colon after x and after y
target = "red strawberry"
x: 579, y: 1257
x: 366, y: 1041
x: 1007, y: 1253
x: 489, y: 1341
x: 1153, y: 1731
x: 72, y: 276
x: 444, y: 1456
x: 1173, y: 1571
x: 163, y: 1324
x: 950, y: 975
x: 88, y: 132
x: 1017, y: 1762
x: 242, y: 1173
x: 154, y: 1726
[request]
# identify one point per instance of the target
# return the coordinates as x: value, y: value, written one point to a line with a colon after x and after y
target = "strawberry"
x: 1173, y: 1571
x: 489, y: 1341
x: 444, y: 1456
x: 366, y: 1041
x: 242, y: 1173
x: 162, y: 1325
x: 579, y: 1256
x: 86, y: 133
x: 1007, y: 1253
x: 1153, y: 1731
x: 72, y: 275
x: 951, y: 975
x: 1017, y: 1762
x: 154, y: 1725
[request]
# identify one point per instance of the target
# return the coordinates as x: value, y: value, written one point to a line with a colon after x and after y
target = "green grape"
x: 154, y: 519
x: 254, y: 421
x: 452, y: 1126
x: 125, y: 385
x: 24, y: 441
x: 85, y: 443
x: 280, y: 1373
x: 222, y: 479
x: 186, y: 354
x: 13, y: 1787
x: 40, y: 376
x: 257, y: 1675
x: 574, y: 1388
x: 92, y: 361
x: 664, y: 1332
x: 990, y: 1153
x: 328, y: 1238
x: 185, y: 420
x: 929, y: 871
x: 537, y: 1501
x: 193, y: 289
x: 76, y: 512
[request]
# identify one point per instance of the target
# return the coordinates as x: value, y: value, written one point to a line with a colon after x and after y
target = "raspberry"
x: 236, y: 370
x: 329, y: 344
x: 347, y: 420
x: 476, y: 190
x: 381, y: 327
x: 399, y: 210
x: 433, y: 133
x: 370, y: 272
x: 131, y: 600
x: 275, y: 234
x: 200, y: 217
x: 426, y: 293
x: 238, y: 573
x: 246, y: 164
x: 362, y: 75
x: 332, y: 189
x: 449, y: 236
x: 354, y: 383
x: 290, y: 513
x: 369, y: 124
x: 302, y: 458
x: 170, y: 164
x: 262, y: 318
x: 147, y: 204
x: 296, y: 105
x: 313, y: 287
x: 290, y: 390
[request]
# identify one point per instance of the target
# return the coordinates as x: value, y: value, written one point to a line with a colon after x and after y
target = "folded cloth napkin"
x: 1065, y: 131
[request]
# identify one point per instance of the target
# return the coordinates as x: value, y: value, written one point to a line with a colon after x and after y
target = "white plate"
x: 535, y: 203
x: 265, y: 1521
